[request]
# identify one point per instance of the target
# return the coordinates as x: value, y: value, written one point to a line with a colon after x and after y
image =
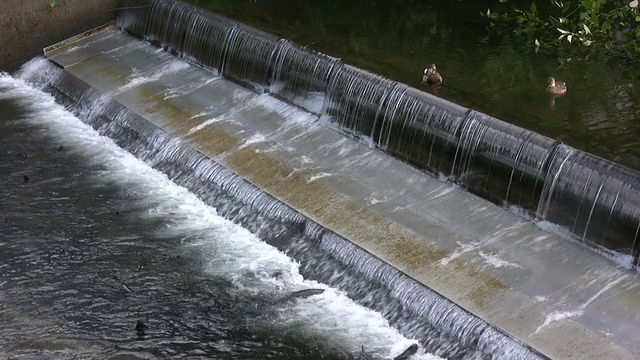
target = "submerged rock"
x: 140, y: 328
x: 301, y: 294
x: 405, y: 355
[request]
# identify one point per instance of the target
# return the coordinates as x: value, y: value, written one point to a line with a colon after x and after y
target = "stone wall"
x: 27, y: 26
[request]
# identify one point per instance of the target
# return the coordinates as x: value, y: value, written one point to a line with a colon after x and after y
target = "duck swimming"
x: 431, y: 75
x: 557, y: 88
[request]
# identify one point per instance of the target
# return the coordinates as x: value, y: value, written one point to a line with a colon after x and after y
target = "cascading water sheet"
x: 258, y: 273
x: 465, y: 248
x: 500, y: 162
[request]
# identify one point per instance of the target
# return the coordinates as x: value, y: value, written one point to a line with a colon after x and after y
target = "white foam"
x: 38, y: 71
x: 460, y: 250
x: 557, y: 316
x: 312, y: 101
x: 318, y: 176
x: 189, y: 87
x: 253, y: 139
x: 233, y: 251
x: 623, y: 260
x: 561, y: 315
x: 373, y: 200
x: 204, y: 125
x: 137, y: 78
x: 496, y: 261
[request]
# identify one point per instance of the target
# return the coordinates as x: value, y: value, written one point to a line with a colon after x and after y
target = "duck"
x: 556, y: 87
x: 431, y: 75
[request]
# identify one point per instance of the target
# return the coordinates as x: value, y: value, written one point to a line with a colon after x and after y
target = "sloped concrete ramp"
x: 552, y: 294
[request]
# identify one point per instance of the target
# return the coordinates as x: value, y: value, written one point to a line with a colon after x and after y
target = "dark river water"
x: 94, y: 242
x: 497, y: 75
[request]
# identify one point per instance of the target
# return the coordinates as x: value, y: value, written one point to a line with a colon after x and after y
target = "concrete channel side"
x: 26, y: 26
x: 546, y: 291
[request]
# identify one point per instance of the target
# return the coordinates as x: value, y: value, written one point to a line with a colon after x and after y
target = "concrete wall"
x: 27, y: 26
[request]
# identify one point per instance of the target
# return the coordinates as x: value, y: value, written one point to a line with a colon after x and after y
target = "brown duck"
x: 556, y: 87
x: 431, y: 75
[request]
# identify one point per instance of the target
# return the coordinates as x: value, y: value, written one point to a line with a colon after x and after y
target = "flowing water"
x: 167, y: 253
x: 496, y: 75
x: 595, y: 200
x: 94, y: 240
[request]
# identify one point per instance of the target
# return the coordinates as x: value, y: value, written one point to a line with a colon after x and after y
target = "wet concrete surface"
x: 552, y: 294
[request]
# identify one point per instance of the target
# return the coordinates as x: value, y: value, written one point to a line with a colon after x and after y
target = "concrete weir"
x: 554, y: 296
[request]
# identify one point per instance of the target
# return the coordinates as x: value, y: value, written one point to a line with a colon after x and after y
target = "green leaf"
x: 586, y: 4
x: 503, y: 1
x: 629, y: 46
x: 52, y: 3
x: 638, y: 18
x: 533, y: 7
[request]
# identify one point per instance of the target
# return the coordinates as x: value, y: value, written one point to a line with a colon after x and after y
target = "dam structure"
x: 595, y: 200
x: 400, y: 199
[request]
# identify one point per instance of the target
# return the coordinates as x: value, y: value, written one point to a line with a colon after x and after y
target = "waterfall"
x: 249, y: 57
x: 133, y: 16
x: 594, y: 199
x: 421, y: 130
x: 205, y: 39
x: 355, y: 99
x: 301, y: 76
x: 501, y: 161
x: 444, y: 328
x: 597, y: 199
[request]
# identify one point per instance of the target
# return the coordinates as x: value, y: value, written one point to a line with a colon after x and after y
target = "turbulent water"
x: 94, y: 244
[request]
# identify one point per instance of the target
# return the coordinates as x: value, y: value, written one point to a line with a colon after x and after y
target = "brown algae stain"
x: 172, y: 113
x: 481, y: 289
x: 178, y: 121
x: 107, y: 72
x: 392, y: 243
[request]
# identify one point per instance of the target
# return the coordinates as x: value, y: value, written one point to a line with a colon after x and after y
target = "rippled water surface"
x: 94, y: 242
x: 502, y: 77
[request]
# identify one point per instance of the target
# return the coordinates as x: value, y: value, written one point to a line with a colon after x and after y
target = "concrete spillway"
x: 511, y: 286
x: 594, y: 200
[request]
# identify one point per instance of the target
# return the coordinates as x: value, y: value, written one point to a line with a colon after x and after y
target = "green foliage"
x: 611, y: 25
x: 52, y: 3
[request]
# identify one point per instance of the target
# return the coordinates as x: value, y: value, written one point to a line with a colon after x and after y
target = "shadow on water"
x: 504, y: 79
